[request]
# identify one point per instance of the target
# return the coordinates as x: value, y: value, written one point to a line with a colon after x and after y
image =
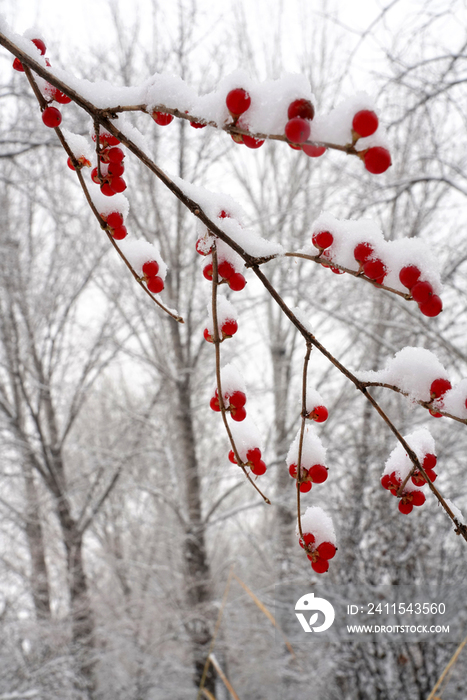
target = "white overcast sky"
x: 77, y: 23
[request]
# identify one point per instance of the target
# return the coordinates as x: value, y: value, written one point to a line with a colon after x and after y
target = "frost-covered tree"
x: 402, y: 271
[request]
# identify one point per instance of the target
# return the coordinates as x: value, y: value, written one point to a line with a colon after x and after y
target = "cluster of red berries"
x: 316, y: 474
x: 429, y: 463
x: 114, y: 222
x: 319, y: 555
x: 234, y: 402
x: 429, y: 303
x: 375, y: 269
x: 154, y: 283
x: 438, y: 388
x: 297, y: 130
x: 17, y: 65
x: 409, y: 497
x: 226, y: 270
x: 228, y: 328
x: 376, y: 159
x: 111, y: 166
x: 253, y: 460
x: 51, y: 116
x: 238, y: 102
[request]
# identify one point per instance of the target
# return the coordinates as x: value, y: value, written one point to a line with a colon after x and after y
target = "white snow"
x: 422, y: 443
x: 316, y: 521
x: 395, y: 254
x: 246, y: 436
x: 139, y: 252
x: 411, y: 369
x: 313, y: 451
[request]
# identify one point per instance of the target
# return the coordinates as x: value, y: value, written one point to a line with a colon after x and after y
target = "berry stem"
x: 217, y: 342
x: 354, y: 273
x: 302, y: 430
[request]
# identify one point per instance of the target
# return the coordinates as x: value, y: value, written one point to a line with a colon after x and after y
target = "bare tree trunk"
x: 198, y: 589
x: 35, y: 537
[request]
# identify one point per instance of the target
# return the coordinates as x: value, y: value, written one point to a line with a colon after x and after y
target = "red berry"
x: 214, y: 403
x: 418, y: 498
x: 293, y: 471
x: 162, y: 118
x: 432, y: 306
x: 435, y: 413
x: 313, y: 151
x: 238, y: 414
x: 119, y: 233
x: 17, y: 65
x: 118, y: 184
x: 155, y: 284
x: 251, y: 142
x: 237, y: 101
x: 322, y: 239
x: 439, y: 387
x: 207, y: 271
x: 197, y: 125
x: 95, y: 176
x: 237, y: 282
x: 319, y: 414
x: 377, y: 160
x: 297, y: 130
x: 362, y: 252
x: 418, y: 479
x: 232, y: 457
x: 375, y: 270
x: 295, y: 147
x: 259, y: 468
x: 431, y: 474
x: 318, y: 473
x: 115, y: 155
x: 238, y: 138
x: 61, y: 98
x: 51, y: 117
x: 115, y: 169
x: 365, y: 122
x: 253, y: 455
x: 229, y: 328
x: 429, y: 461
x: 70, y: 164
x: 422, y: 291
x: 301, y: 108
x: 237, y: 399
x: 308, y: 538
x: 320, y: 566
x: 409, y: 276
x: 115, y: 219
x: 305, y: 486
x: 202, y: 247
x: 405, y: 507
x: 326, y: 550
x: 225, y: 269
x: 386, y: 482
x: 150, y: 268
x: 107, y: 190
x: 40, y: 45
x: 208, y: 336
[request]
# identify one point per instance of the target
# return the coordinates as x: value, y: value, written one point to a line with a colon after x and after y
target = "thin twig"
x: 302, y: 433
x: 217, y: 341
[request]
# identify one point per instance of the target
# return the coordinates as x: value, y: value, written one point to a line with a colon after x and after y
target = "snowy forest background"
x: 110, y: 396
